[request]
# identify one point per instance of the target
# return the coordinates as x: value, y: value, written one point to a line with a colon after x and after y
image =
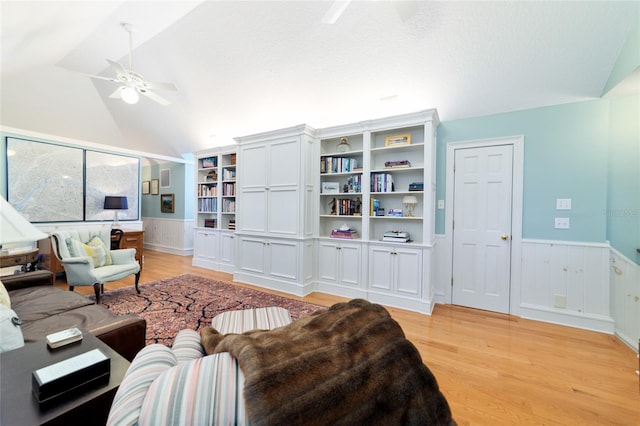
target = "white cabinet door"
x: 283, y: 259
x: 252, y: 255
x: 328, y: 257
x: 270, y: 187
x: 396, y: 270
x: 253, y: 188
x: 340, y: 263
x: 227, y: 248
x: 349, y: 263
x: 206, y: 248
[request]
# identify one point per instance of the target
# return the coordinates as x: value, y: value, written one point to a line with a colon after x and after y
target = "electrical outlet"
x: 440, y: 204
x: 563, y: 203
x: 562, y: 223
x: 559, y: 301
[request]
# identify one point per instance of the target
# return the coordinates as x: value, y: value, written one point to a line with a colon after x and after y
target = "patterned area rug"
x: 190, y: 301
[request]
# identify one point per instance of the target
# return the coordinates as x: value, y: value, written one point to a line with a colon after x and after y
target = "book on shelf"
x: 396, y: 236
x: 346, y: 234
x: 382, y: 182
x: 396, y: 239
x: 338, y: 164
x: 232, y: 225
x: 416, y: 186
x: 396, y: 164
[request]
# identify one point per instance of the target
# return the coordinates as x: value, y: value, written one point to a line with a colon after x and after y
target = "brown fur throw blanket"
x: 349, y: 364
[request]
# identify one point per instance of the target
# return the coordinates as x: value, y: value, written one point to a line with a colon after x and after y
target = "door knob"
x: 504, y: 237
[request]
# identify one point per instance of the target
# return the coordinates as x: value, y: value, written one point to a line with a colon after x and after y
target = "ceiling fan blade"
x: 153, y: 96
x: 119, y: 69
x: 154, y: 85
x: 116, y: 93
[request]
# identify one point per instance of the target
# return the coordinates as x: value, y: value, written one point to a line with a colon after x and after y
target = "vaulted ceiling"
x: 243, y: 67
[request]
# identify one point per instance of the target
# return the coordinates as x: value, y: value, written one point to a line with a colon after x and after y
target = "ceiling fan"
x: 132, y: 83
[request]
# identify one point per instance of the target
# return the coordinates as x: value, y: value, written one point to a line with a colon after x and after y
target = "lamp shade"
x: 410, y: 199
x: 115, y: 203
x: 14, y: 228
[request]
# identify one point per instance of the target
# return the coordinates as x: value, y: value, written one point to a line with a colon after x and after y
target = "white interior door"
x: 483, y: 184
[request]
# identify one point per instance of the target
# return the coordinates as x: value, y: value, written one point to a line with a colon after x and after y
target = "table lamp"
x: 115, y: 203
x: 14, y: 228
x: 410, y: 202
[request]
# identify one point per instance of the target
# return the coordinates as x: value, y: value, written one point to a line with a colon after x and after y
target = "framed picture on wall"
x: 166, y: 203
x: 155, y: 183
x: 165, y: 178
x: 145, y: 187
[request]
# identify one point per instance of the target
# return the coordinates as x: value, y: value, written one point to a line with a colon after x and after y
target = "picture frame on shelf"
x: 167, y: 203
x: 398, y: 140
x: 145, y: 187
x: 155, y: 186
x: 330, y: 187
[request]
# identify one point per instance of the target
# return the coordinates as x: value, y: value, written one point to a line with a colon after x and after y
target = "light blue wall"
x: 565, y: 156
x: 181, y: 187
x: 623, y: 210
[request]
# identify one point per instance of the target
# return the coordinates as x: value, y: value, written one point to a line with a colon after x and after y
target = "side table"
x: 86, y: 406
x: 23, y: 258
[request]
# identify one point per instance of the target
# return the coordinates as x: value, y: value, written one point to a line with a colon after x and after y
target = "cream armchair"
x: 87, y: 259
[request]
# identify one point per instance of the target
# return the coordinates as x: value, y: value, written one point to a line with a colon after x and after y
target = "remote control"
x: 64, y: 337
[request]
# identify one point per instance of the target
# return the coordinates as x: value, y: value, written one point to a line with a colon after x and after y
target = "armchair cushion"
x: 95, y: 249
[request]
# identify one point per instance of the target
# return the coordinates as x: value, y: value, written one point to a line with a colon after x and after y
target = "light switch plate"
x: 563, y: 203
x: 562, y: 223
x: 440, y: 204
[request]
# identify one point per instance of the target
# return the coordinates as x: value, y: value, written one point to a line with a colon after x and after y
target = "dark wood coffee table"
x: 18, y: 404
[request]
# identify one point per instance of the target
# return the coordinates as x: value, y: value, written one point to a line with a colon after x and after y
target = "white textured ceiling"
x: 243, y: 67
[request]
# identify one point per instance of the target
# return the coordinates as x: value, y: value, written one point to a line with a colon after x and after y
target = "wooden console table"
x: 130, y: 239
x: 22, y: 258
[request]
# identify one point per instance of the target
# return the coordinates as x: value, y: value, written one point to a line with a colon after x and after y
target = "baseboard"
x: 600, y: 323
x: 170, y: 250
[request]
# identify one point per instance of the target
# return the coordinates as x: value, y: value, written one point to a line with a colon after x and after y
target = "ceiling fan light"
x: 129, y: 95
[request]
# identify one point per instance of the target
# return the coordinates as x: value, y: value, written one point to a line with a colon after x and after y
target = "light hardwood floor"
x: 494, y: 369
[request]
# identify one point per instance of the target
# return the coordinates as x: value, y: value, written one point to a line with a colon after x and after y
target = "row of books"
x: 228, y: 206
x: 338, y: 165
x: 209, y: 205
x: 228, y: 174
x: 348, y: 207
x: 207, y: 191
x: 375, y: 209
x: 382, y: 182
x: 354, y: 183
x: 229, y: 189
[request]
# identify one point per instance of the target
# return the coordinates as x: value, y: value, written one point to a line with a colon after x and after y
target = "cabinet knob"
x: 504, y: 237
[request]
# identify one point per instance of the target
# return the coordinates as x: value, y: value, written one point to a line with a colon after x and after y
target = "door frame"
x: 516, y: 211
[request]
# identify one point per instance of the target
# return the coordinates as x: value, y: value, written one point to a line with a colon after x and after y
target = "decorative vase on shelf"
x: 343, y: 146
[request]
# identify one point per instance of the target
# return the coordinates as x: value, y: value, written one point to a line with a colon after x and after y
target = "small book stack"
x: 396, y: 164
x: 396, y: 236
x: 416, y: 186
x: 346, y: 233
x: 232, y: 225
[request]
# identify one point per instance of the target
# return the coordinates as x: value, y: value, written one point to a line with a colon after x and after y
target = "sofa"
x: 45, y: 309
x: 348, y: 364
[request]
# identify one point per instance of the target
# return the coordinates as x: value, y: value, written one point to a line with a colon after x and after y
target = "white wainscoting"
x: 566, y: 283
x: 625, y: 298
x: 169, y: 235
x: 442, y: 270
